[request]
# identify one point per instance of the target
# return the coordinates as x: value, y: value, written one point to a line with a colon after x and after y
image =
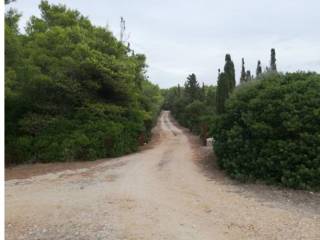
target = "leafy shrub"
x: 195, y: 111
x: 271, y: 131
x: 73, y: 91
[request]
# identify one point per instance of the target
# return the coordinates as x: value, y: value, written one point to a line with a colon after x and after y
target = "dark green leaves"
x: 73, y: 91
x: 271, y: 131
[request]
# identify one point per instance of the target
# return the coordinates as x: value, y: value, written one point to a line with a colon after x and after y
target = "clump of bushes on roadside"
x: 270, y: 131
x: 72, y: 90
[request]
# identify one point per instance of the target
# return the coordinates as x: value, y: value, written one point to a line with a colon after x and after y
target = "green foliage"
x: 248, y: 76
x: 193, y: 107
x: 222, y: 92
x: 245, y: 75
x: 273, y: 65
x: 195, y: 113
x: 243, y: 72
x: 226, y: 84
x: 192, y: 89
x: 270, y: 131
x: 229, y: 73
x: 73, y: 91
x: 259, y: 69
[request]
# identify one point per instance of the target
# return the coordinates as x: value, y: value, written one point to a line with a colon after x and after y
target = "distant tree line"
x: 192, y: 105
x: 265, y: 128
x: 196, y: 107
x: 226, y: 80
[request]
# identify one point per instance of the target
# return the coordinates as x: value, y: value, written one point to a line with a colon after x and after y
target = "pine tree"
x: 192, y: 88
x: 229, y: 73
x: 259, y: 69
x: 243, y: 72
x: 273, y: 65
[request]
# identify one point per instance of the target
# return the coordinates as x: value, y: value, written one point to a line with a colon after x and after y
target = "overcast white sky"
x: 180, y: 37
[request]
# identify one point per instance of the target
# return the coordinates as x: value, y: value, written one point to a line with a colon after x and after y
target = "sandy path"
x: 160, y: 193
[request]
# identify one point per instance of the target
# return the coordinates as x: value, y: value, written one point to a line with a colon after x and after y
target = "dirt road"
x: 164, y: 192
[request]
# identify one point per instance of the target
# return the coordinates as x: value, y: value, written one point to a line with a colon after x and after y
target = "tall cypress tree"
x: 221, y: 93
x: 229, y: 73
x: 226, y: 83
x: 248, y: 76
x: 243, y: 72
x: 259, y: 69
x: 273, y: 65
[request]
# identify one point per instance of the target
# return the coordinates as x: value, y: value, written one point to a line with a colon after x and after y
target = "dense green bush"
x: 271, y: 131
x: 73, y: 91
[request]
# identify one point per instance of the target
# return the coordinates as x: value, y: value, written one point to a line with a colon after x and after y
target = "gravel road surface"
x: 171, y: 190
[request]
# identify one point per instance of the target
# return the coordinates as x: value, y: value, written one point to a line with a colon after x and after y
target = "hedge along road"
x: 164, y: 192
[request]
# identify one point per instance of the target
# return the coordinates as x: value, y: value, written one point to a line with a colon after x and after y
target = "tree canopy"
x: 226, y: 83
x: 273, y: 65
x: 192, y: 88
x: 259, y: 69
x: 73, y: 91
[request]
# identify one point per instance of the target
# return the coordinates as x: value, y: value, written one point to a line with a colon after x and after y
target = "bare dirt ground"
x: 171, y: 190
